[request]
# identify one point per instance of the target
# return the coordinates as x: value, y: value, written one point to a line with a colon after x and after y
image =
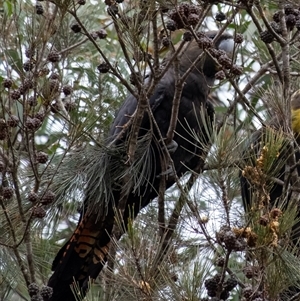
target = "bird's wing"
x: 83, y: 256
x: 85, y: 253
x: 163, y: 92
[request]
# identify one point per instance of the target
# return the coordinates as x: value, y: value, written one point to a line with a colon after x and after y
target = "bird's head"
x: 207, y: 65
x: 224, y: 42
x: 295, y: 106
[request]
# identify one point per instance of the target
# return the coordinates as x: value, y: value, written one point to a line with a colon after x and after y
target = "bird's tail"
x: 82, y: 257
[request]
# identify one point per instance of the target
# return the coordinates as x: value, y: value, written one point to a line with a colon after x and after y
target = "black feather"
x: 84, y: 254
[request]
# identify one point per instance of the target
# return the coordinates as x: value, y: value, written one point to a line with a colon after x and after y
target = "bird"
x: 275, y: 166
x: 84, y: 255
x: 266, y: 196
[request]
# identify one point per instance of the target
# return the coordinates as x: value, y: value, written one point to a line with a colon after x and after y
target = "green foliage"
x: 41, y: 55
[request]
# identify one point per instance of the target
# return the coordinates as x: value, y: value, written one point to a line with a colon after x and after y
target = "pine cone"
x: 102, y: 33
x: 220, y: 261
x: 76, y: 28
x: 38, y: 212
x: 239, y: 38
x: 220, y: 75
x: 165, y: 42
x: 29, y: 123
x: 67, y: 89
x: 36, y: 123
x: 194, y: 9
x: 7, y: 83
x: 33, y: 197
x: 193, y: 19
x: 236, y: 70
x: 41, y: 157
x: 276, y: 27
x: 40, y: 116
x: 187, y: 36
x: 103, y: 68
x: 28, y: 66
x: 230, y: 240
x: 39, y: 9
x: 29, y: 52
x: 171, y: 25
x: 48, y: 197
x: 264, y: 220
x: 32, y: 101
x: 12, y: 121
x: 53, y: 56
x: 230, y: 284
x: 16, y: 94
x: 290, y: 21
x: 28, y: 83
x: 224, y: 295
x: 276, y: 16
x: 3, y: 134
x: 204, y: 42
x: 7, y: 192
x: 211, y: 284
x: 249, y: 271
x: 23, y: 89
x: 53, y: 86
x: 288, y: 9
x: 225, y: 61
x: 266, y: 37
x: 46, y: 292
x: 33, y: 289
x: 37, y: 297
x: 248, y: 292
x: 220, y: 16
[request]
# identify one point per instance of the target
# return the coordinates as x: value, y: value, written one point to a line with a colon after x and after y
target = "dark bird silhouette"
x: 260, y: 196
x: 84, y: 255
x: 276, y: 192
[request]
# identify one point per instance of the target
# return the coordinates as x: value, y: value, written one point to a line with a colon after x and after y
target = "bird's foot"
x: 168, y: 173
x: 172, y: 147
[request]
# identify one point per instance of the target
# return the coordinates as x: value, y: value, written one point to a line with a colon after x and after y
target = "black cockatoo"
x: 274, y: 164
x: 84, y: 255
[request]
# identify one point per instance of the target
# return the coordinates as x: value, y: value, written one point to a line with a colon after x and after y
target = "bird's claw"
x: 172, y: 147
x: 169, y: 172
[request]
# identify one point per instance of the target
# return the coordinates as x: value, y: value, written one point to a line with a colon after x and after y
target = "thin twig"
x: 269, y: 47
x: 114, y: 71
